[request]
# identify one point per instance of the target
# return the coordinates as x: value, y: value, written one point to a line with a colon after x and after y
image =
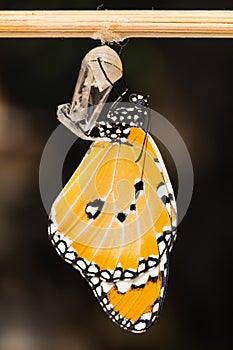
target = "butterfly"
x: 115, y: 220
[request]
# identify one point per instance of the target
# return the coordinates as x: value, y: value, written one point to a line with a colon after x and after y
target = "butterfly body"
x: 115, y: 220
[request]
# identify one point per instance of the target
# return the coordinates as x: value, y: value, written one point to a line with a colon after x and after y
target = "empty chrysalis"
x: 92, y: 90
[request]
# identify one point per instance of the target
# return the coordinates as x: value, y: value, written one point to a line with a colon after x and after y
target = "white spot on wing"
x: 154, y: 272
x: 162, y: 292
x: 70, y: 255
x: 123, y: 286
x: 141, y: 279
x: 81, y: 264
x: 124, y: 321
x: 61, y: 246
x: 99, y: 291
x: 146, y: 316
x: 106, y: 286
x: 154, y: 318
x: 141, y: 267
x: 53, y: 228
x: 117, y: 274
x: 151, y: 263
x: 162, y: 191
x: 156, y: 307
x: 92, y: 269
x: 105, y: 274
x: 140, y: 326
x: 128, y: 274
x: 94, y: 280
x: 162, y: 247
x: 56, y: 238
x: 91, y: 210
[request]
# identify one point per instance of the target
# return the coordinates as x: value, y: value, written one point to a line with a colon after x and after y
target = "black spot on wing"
x: 132, y: 207
x: 165, y: 199
x: 139, y: 186
x: 121, y: 217
x: 93, y: 209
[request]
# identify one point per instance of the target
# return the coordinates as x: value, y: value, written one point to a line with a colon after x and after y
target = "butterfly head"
x: 139, y: 100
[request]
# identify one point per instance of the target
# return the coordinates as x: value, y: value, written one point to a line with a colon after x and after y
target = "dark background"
x: 44, y: 303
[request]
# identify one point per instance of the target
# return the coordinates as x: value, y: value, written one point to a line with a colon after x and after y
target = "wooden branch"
x: 116, y: 25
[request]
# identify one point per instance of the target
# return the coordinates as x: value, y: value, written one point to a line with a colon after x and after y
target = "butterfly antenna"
x: 145, y: 138
x: 144, y: 159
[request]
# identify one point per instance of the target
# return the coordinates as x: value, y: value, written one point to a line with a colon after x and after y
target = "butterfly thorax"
x: 116, y: 125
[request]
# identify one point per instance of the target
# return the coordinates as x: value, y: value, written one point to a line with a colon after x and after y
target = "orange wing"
x: 116, y: 227
x: 134, y: 304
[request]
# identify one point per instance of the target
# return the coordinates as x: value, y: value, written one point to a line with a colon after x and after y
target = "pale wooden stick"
x: 116, y: 25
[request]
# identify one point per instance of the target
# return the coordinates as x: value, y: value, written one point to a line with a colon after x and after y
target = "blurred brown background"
x: 44, y: 303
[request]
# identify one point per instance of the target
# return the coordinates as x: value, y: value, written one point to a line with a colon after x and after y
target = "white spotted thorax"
x: 115, y: 220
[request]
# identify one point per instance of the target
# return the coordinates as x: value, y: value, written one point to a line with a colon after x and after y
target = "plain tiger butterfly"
x: 115, y: 220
